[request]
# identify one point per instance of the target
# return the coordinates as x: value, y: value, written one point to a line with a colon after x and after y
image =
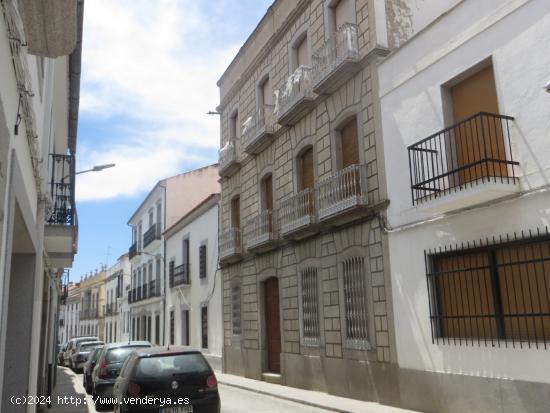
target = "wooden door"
x: 349, y: 144
x: 236, y: 212
x: 302, y: 55
x: 482, y: 138
x: 272, y: 323
x: 268, y: 192
x: 306, y: 169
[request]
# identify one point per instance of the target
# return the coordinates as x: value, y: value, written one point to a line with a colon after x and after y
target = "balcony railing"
x: 258, y: 130
x: 336, y: 59
x: 132, y: 251
x: 471, y: 152
x: 180, y: 275
x: 62, y: 190
x: 144, y: 291
x: 230, y: 243
x: 152, y: 234
x: 130, y: 296
x: 228, y: 159
x: 260, y: 230
x: 89, y: 313
x: 139, y: 295
x: 298, y: 211
x: 296, y: 98
x: 341, y: 191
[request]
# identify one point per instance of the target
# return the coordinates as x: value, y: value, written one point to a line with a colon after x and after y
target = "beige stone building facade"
x: 305, y: 266
x: 92, y: 304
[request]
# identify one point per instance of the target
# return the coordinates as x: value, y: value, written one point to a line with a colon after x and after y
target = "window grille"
x: 204, y: 326
x: 171, y: 327
x: 492, y: 292
x: 310, y: 306
x: 355, y: 303
x: 236, y: 309
x: 202, y: 261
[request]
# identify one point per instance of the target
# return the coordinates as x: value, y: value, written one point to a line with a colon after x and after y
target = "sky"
x: 148, y: 78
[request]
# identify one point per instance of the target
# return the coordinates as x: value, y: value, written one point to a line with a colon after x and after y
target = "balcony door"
x: 236, y: 212
x: 267, y: 198
x: 341, y: 13
x: 349, y: 144
x: 267, y: 100
x: 305, y: 165
x: 480, y: 139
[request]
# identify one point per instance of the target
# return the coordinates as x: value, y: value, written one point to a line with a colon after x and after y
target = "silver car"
x: 83, y: 350
x: 71, y: 348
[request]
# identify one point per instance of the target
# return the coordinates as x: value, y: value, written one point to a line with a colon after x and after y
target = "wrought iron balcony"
x: 88, y: 313
x: 230, y: 244
x: 260, y: 230
x: 258, y: 130
x: 336, y: 60
x: 180, y: 275
x: 132, y: 251
x: 154, y: 288
x: 228, y: 163
x: 475, y: 151
x: 342, y: 191
x: 298, y: 212
x: 152, y: 234
x: 62, y: 190
x: 138, y: 296
x: 296, y: 99
x: 130, y: 296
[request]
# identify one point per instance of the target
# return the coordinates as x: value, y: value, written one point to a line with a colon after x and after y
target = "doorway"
x: 272, y: 324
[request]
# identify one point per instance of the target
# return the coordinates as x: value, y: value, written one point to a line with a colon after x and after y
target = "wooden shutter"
x: 349, y: 144
x: 273, y: 328
x: 483, y: 139
x: 267, y: 185
x: 302, y: 54
x: 236, y: 212
x: 306, y: 169
x: 202, y: 261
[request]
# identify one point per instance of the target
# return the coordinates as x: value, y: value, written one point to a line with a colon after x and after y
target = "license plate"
x: 179, y: 409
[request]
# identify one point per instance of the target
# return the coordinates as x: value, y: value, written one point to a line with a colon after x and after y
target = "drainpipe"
x: 164, y: 300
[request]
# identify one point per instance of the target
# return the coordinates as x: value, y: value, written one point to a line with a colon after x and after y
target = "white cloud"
x: 148, y: 70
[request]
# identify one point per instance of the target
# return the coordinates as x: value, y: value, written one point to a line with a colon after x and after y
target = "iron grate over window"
x: 310, y: 306
x: 236, y: 309
x: 202, y: 261
x: 492, y: 292
x: 355, y: 303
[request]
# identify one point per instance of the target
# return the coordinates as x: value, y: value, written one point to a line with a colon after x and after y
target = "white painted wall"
x: 515, y: 34
x: 203, y: 229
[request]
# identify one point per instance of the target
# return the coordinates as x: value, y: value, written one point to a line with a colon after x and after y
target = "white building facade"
x: 117, y: 278
x: 40, y: 54
x: 72, y: 313
x: 194, y: 280
x: 170, y: 199
x: 466, y: 120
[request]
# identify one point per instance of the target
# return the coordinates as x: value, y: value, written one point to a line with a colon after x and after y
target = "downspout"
x: 164, y: 300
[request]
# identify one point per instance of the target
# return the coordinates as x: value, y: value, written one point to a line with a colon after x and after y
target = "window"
x: 140, y: 239
x: 310, y: 306
x: 202, y: 261
x: 204, y: 327
x: 267, y: 193
x: 492, y: 292
x: 340, y: 12
x: 305, y: 169
x: 301, y: 55
x: 349, y: 144
x: 171, y: 266
x: 157, y: 329
x: 185, y: 327
x: 151, y: 217
x: 236, y: 212
x: 159, y: 214
x: 355, y: 303
x: 148, y: 328
x: 234, y: 126
x: 265, y: 100
x: 171, y: 327
x: 236, y: 309
x: 157, y: 269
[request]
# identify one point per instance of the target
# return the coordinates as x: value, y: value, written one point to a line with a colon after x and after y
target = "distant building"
x: 72, y: 312
x: 92, y: 304
x: 117, y: 278
x: 40, y: 55
x: 194, y: 294
x: 168, y: 201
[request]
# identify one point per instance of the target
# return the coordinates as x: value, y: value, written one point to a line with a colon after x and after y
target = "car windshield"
x: 118, y: 355
x: 170, y: 365
x: 89, y: 346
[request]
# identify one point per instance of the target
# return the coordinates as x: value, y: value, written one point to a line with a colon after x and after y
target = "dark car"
x: 108, y: 366
x: 89, y: 367
x: 180, y: 379
x: 82, y: 352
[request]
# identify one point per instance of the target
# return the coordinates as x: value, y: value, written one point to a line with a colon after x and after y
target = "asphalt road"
x: 236, y: 400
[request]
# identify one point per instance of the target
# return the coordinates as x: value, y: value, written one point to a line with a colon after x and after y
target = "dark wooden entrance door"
x: 273, y: 330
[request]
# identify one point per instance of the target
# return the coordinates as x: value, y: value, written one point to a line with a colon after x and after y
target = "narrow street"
x: 233, y: 400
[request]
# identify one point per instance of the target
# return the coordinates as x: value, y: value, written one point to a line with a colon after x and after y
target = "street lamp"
x: 97, y: 168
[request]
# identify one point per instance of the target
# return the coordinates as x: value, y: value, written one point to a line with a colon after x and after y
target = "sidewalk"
x: 307, y: 397
x: 69, y: 386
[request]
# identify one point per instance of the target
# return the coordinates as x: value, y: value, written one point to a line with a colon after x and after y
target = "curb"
x: 288, y: 398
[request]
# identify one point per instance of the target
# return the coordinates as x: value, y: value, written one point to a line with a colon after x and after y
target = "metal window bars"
x: 62, y: 190
x: 236, y: 309
x: 493, y: 292
x: 310, y: 306
x: 473, y: 151
x: 298, y: 86
x: 355, y: 294
x: 230, y: 242
x: 181, y: 275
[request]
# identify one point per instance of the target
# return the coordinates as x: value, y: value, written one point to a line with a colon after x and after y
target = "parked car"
x: 108, y: 365
x: 178, y: 373
x: 71, y: 347
x: 61, y: 354
x: 82, y: 352
x: 89, y: 367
